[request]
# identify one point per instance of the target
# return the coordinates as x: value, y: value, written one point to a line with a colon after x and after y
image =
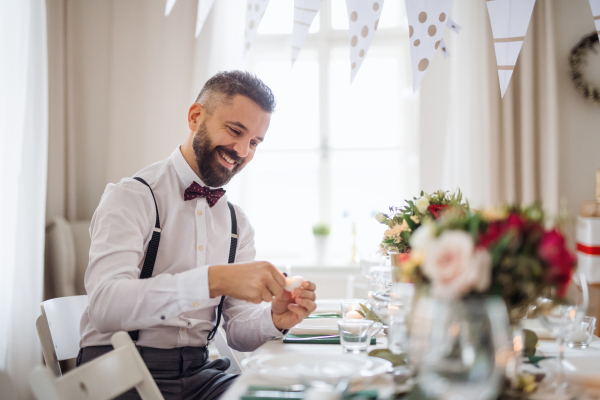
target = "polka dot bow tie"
x: 195, y: 190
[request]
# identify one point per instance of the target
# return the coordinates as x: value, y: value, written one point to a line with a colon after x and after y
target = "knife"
x: 312, y: 338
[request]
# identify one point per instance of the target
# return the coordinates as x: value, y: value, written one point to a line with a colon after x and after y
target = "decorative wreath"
x: 578, y: 57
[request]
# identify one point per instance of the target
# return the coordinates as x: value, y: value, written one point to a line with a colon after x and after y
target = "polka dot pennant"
x: 427, y: 20
x: 204, y: 7
x: 305, y: 12
x: 363, y: 18
x: 595, y: 5
x: 255, y: 9
x: 510, y: 20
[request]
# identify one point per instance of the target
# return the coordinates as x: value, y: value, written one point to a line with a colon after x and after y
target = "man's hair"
x: 224, y: 85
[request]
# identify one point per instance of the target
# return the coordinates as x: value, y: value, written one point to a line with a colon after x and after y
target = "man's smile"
x: 226, y: 161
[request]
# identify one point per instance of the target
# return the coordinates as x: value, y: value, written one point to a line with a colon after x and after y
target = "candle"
x: 293, y: 283
x: 353, y: 315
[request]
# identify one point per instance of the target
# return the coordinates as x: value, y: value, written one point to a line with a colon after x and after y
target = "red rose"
x: 515, y: 221
x: 561, y: 262
x: 436, y: 209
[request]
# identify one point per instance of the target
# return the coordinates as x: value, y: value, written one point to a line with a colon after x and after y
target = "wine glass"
x: 458, y: 347
x: 373, y: 259
x: 559, y: 314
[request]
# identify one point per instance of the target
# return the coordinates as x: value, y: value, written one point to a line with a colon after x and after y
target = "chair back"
x: 103, y: 378
x: 58, y: 329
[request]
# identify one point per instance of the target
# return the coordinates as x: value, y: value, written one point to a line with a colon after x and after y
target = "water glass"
x: 582, y: 333
x: 355, y: 335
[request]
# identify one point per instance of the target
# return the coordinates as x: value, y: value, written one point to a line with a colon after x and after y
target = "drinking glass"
x: 458, y: 347
x: 582, y: 333
x: 369, y: 260
x: 560, y: 314
x: 355, y: 335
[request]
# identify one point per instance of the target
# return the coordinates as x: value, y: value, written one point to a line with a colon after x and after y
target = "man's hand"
x: 290, y: 308
x: 254, y: 281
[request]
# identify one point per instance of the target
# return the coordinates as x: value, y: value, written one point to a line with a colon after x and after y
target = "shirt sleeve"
x: 248, y: 325
x: 121, y: 229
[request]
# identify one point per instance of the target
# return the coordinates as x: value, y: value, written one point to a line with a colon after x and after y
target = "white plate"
x: 583, y: 370
x: 281, y: 367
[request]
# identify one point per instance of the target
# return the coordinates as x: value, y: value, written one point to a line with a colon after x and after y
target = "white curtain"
x: 496, y: 150
x: 23, y: 155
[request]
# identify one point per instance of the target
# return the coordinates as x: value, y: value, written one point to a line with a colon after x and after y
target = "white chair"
x: 7, y: 391
x: 58, y: 329
x: 103, y: 378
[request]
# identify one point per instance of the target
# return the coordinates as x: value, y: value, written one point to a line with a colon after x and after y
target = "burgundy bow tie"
x: 211, y: 195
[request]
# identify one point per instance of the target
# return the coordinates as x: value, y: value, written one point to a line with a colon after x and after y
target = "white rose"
x: 455, y: 267
x: 422, y: 204
x: 421, y: 237
x: 380, y: 217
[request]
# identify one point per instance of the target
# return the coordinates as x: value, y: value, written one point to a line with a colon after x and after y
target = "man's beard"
x: 212, y: 173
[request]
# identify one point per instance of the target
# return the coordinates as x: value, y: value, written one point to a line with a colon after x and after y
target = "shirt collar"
x: 186, y: 174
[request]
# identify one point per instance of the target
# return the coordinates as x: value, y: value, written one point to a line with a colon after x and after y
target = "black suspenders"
x: 153, y: 249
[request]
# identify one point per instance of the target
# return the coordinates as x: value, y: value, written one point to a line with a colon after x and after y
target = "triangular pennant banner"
x: 169, y: 7
x: 254, y: 13
x: 595, y: 4
x: 444, y: 49
x: 426, y: 20
x: 305, y: 12
x: 510, y: 20
x: 454, y: 26
x: 363, y: 18
x: 204, y: 7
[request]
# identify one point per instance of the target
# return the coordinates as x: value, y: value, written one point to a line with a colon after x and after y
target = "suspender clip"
x: 157, y: 229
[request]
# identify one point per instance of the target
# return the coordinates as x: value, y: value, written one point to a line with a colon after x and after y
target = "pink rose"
x: 455, y: 267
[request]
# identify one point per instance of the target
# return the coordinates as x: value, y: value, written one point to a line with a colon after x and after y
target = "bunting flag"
x: 510, y: 20
x: 204, y: 7
x: 426, y: 20
x: 169, y: 7
x: 254, y: 13
x: 305, y: 12
x: 595, y: 4
x: 454, y: 26
x: 363, y: 18
x: 444, y: 49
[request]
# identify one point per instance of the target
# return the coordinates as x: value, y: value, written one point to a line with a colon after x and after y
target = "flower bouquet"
x: 403, y: 221
x: 504, y: 251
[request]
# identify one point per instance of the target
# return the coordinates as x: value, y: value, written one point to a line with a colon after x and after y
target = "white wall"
x: 579, y: 119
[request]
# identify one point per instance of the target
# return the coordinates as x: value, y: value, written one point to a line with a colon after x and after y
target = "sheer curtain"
x: 494, y: 149
x: 23, y: 155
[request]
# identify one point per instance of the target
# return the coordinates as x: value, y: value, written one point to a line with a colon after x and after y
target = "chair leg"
x: 47, y: 345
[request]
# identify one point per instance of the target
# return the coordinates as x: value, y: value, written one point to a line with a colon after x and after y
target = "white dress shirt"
x: 173, y: 307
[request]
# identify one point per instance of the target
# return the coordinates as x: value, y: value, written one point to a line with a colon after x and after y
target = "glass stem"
x: 560, y: 374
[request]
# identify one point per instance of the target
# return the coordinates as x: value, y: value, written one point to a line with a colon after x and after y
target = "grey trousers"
x: 183, y: 373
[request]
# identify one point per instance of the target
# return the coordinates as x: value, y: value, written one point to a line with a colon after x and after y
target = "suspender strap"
x: 232, y: 250
x: 151, y: 252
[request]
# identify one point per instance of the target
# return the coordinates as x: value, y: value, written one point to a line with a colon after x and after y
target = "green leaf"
x: 531, y: 342
x: 499, y: 249
x: 365, y: 308
x: 413, y: 226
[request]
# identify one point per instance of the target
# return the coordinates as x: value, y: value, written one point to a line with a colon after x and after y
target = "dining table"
x: 582, y: 365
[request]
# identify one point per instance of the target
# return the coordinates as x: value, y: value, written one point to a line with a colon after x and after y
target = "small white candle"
x: 579, y: 336
x: 353, y: 315
x: 293, y: 283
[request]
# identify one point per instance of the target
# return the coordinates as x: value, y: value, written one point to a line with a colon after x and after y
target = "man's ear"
x: 196, y: 110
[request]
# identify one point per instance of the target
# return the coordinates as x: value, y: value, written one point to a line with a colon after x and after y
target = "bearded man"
x: 170, y: 254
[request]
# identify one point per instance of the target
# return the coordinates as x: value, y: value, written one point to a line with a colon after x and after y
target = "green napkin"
x: 324, y: 315
x: 289, y: 338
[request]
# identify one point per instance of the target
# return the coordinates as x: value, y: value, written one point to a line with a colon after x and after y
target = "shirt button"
x: 199, y: 212
x: 200, y: 248
x: 182, y: 329
x: 196, y: 304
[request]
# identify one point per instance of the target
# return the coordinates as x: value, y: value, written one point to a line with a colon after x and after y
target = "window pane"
x: 295, y: 122
x: 279, y: 19
x: 278, y: 192
x: 364, y: 183
x: 369, y: 112
x: 390, y: 15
